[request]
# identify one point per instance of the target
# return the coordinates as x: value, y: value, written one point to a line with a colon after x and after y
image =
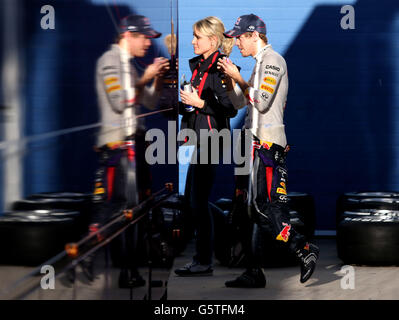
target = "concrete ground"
x: 104, y: 286
x: 327, y: 283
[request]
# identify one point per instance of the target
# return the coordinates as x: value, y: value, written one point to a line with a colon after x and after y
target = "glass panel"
x: 55, y: 97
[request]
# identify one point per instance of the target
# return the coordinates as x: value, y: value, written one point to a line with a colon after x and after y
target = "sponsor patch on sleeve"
x: 267, y: 88
x: 110, y: 68
x: 99, y: 191
x: 114, y: 88
x: 270, y: 80
x: 110, y: 80
x: 264, y: 96
x: 272, y: 67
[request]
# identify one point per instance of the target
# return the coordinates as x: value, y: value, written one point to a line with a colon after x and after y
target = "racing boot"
x: 251, y: 278
x: 307, y: 256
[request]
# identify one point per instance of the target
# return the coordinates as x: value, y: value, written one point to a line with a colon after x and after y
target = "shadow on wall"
x: 60, y: 90
x: 340, y: 105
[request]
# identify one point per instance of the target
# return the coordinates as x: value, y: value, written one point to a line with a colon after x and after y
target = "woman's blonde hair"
x: 213, y: 26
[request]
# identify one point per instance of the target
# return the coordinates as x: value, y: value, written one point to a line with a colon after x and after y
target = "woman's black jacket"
x: 218, y: 108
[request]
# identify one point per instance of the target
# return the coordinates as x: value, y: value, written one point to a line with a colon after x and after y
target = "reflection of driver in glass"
x: 118, y: 86
x: 120, y: 140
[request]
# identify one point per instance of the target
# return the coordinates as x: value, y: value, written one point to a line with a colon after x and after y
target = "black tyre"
x: 177, y: 223
x: 61, y: 195
x: 373, y: 213
x: 363, y: 200
x: 224, y: 204
x: 32, y: 237
x: 170, y: 232
x: 47, y: 204
x: 59, y: 201
x: 370, y: 239
x: 175, y: 201
x: 303, y: 204
x: 351, y: 204
x: 173, y: 229
x: 371, y: 194
x: 223, y: 236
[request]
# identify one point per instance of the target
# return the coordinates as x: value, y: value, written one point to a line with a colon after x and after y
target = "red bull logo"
x: 146, y: 21
x: 285, y: 233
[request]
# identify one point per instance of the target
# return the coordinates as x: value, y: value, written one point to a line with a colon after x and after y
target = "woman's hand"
x: 192, y: 99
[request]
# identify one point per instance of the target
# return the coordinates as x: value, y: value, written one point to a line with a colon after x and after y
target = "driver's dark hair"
x: 261, y: 35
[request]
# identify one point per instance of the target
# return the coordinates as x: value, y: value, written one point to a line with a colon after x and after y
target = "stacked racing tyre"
x: 68, y: 201
x: 38, y: 227
x: 224, y: 241
x: 303, y: 204
x: 368, y: 228
x: 366, y: 200
x: 30, y: 238
x: 169, y: 230
x: 177, y: 227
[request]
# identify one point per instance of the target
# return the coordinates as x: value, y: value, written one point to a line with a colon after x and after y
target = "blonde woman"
x: 210, y: 110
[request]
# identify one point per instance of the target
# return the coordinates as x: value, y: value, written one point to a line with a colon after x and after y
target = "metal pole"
x: 13, y: 104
